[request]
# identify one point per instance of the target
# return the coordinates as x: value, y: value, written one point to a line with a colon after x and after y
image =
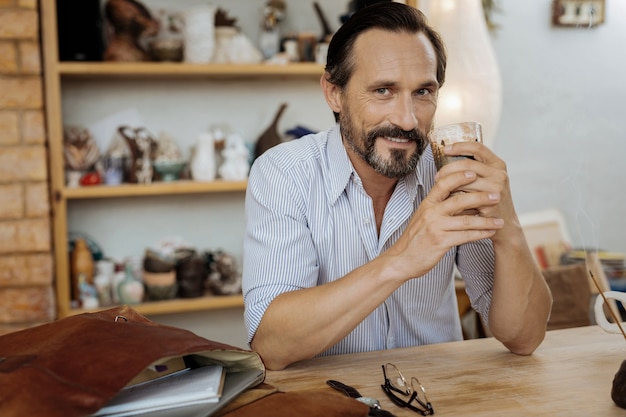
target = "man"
x: 351, y: 237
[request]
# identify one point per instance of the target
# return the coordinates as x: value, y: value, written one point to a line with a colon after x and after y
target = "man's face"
x: 390, y: 101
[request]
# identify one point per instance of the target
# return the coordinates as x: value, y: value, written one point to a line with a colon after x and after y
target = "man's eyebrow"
x: 429, y: 84
x: 388, y: 83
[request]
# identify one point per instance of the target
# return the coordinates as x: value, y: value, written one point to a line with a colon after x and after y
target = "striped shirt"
x: 310, y: 222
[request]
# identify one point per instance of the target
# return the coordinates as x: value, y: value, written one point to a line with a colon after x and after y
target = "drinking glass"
x: 443, y: 136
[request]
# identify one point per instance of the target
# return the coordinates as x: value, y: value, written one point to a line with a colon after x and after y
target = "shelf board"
x: 179, y: 305
x: 176, y: 69
x: 156, y: 188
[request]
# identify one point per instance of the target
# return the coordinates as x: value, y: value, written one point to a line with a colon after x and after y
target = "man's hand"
x: 437, y: 226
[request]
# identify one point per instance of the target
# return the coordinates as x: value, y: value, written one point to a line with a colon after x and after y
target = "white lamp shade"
x: 472, y: 90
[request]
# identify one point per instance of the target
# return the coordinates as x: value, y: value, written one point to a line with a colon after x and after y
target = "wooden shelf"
x: 56, y: 73
x: 180, y: 305
x: 156, y: 188
x: 174, y: 69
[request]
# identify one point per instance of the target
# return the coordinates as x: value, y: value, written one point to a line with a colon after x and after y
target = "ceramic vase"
x: 81, y: 267
x: 130, y: 290
x: 203, y: 161
x: 199, y: 38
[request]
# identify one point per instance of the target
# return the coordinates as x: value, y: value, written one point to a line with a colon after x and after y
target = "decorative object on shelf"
x: 157, y: 262
x: 223, y: 19
x: 130, y: 290
x: 142, y: 147
x: 160, y: 285
x: 269, y: 42
x: 172, y: 267
x: 270, y: 136
x: 203, y: 158
x: 242, y: 51
x: 321, y: 49
x: 88, y: 294
x: 199, y: 33
x: 169, y: 170
x: 90, y: 178
x: 80, y: 153
x: 224, y: 36
x: 235, y: 155
x: 233, y: 47
x: 168, y: 44
x: 299, y: 131
x: 224, y: 276
x: 113, y: 169
x: 130, y: 22
x: 307, y: 43
x: 81, y: 269
x: 119, y: 275
x: 327, y: 33
x: 472, y: 90
x: 103, y: 282
x: 96, y: 251
x: 191, y: 274
x: 321, y: 52
x: 269, y: 39
x: 220, y: 132
x: 167, y: 149
x: 80, y: 39
x: 290, y: 45
x: 168, y: 161
x: 72, y: 178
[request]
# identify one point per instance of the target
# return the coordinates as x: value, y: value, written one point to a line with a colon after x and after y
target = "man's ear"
x: 332, y: 94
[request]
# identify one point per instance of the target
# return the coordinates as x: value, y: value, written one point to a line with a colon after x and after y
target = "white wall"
x: 563, y: 126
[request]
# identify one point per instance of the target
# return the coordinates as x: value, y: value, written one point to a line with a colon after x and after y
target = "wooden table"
x: 570, y: 374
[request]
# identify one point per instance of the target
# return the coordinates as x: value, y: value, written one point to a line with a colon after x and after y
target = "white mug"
x: 599, y: 311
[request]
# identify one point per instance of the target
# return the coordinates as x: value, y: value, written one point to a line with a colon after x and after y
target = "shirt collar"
x: 339, y: 165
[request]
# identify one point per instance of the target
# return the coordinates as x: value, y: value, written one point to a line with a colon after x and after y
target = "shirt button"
x: 366, y: 220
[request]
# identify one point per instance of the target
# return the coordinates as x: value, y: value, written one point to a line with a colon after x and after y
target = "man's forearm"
x: 303, y: 323
x: 521, y: 300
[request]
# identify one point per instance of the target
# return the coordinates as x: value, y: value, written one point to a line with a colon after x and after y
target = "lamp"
x: 472, y: 90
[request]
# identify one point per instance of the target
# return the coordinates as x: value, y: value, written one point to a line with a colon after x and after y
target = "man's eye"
x: 382, y: 91
x: 423, y: 92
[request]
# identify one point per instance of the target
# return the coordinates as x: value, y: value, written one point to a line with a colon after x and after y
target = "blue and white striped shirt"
x: 310, y: 222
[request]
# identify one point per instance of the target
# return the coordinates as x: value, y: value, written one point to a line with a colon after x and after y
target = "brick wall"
x: 26, y: 265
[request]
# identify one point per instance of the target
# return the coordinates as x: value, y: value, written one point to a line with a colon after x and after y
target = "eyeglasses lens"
x: 397, y: 380
x: 420, y: 391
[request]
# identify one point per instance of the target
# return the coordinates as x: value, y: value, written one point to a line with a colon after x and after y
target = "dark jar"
x: 190, y: 275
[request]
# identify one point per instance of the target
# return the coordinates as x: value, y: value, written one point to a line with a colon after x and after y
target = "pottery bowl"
x: 169, y: 170
x: 160, y: 285
x: 161, y: 292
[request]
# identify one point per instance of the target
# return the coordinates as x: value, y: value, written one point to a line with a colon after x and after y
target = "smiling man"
x: 351, y: 238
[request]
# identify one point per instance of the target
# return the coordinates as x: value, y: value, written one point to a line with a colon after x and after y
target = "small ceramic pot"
x: 190, y: 275
x: 160, y: 285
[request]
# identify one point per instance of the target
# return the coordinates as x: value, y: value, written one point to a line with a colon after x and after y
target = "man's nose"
x: 404, y: 114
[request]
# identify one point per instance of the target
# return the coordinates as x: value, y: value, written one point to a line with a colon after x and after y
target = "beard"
x: 400, y: 163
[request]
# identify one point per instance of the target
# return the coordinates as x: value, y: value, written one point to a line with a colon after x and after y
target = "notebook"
x: 198, y: 392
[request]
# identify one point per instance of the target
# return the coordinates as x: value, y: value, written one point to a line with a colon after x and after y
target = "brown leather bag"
x: 266, y: 401
x: 74, y: 366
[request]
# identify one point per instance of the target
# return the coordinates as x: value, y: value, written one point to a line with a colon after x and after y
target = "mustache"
x: 414, y: 135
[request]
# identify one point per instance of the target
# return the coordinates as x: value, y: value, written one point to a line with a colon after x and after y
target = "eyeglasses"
x: 395, y: 382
